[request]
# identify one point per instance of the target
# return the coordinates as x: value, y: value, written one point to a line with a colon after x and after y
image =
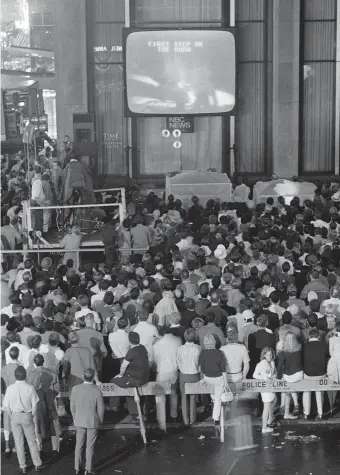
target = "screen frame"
x: 127, y: 111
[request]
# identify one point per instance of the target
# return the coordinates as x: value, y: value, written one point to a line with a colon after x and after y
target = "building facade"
x: 288, y: 88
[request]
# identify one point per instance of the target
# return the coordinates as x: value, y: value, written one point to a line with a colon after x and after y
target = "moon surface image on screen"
x: 180, y: 72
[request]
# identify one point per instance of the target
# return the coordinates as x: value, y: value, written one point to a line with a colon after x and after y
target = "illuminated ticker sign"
x: 104, y: 49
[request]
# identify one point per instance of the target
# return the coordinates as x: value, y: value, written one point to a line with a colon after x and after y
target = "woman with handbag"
x: 214, y: 368
x: 265, y: 370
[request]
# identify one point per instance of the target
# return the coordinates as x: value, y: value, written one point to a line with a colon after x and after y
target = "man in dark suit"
x: 92, y: 339
x: 273, y: 318
x: 87, y: 408
x: 189, y: 314
x: 259, y: 340
x: 45, y: 382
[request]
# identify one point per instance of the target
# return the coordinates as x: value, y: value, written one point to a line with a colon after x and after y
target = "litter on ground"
x: 303, y: 438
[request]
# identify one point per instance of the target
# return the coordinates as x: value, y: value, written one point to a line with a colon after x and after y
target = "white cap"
x: 248, y: 315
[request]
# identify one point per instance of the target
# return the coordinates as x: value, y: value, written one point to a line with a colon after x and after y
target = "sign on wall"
x: 184, y: 123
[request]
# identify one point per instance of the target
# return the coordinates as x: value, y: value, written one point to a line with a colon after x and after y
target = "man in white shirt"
x: 166, y: 306
x: 53, y: 355
x: 334, y: 341
x: 12, y: 340
x: 38, y: 199
x: 83, y: 301
x: 120, y: 345
x: 158, y: 276
x: 103, y: 286
x: 146, y: 331
x: 334, y: 300
x: 237, y: 358
x: 121, y: 288
x: 22, y: 269
x: 28, y: 330
x: 20, y: 402
x: 275, y: 307
x: 248, y: 327
x: 165, y: 359
x: 119, y: 340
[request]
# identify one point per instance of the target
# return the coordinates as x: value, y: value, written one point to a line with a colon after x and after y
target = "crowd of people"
x: 40, y: 180
x: 220, y: 292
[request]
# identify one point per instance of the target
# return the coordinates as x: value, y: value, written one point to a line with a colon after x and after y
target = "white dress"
x: 265, y: 371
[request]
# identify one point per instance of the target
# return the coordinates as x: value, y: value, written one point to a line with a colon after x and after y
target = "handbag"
x: 227, y: 396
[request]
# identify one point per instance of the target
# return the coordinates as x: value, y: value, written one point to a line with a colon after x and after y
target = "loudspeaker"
x: 83, y: 128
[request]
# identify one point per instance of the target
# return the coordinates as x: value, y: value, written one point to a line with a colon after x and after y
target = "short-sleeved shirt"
x: 138, y: 368
x: 212, y: 363
x: 236, y: 356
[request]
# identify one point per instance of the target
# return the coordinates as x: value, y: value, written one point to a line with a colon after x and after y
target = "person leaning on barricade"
x: 134, y: 371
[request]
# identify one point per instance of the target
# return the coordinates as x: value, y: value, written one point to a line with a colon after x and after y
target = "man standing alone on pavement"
x: 87, y: 408
x: 20, y: 402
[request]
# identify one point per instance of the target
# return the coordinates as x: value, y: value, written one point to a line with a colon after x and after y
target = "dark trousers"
x: 115, y: 368
x: 127, y: 382
x: 110, y: 255
x: 39, y: 220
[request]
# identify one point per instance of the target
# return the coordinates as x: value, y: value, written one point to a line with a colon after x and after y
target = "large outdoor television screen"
x: 173, y: 72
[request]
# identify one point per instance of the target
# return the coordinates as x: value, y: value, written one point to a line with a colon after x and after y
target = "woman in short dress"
x: 265, y: 370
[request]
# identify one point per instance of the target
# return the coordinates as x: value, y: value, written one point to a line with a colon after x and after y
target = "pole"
x: 123, y: 201
x: 141, y: 420
x: 232, y: 117
x: 222, y: 423
x: 128, y: 147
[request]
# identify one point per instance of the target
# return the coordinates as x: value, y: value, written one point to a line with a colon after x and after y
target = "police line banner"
x: 281, y: 386
x: 273, y: 386
x: 252, y: 385
x: 154, y: 388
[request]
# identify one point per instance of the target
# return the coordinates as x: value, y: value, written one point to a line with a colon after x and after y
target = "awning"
x: 9, y: 82
x: 22, y: 51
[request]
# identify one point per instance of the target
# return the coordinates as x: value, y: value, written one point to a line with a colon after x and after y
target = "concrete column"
x: 70, y: 63
x: 286, y: 75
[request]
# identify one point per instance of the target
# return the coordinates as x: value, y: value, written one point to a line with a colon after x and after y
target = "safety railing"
x: 60, y: 250
x: 122, y: 194
x: 121, y: 207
